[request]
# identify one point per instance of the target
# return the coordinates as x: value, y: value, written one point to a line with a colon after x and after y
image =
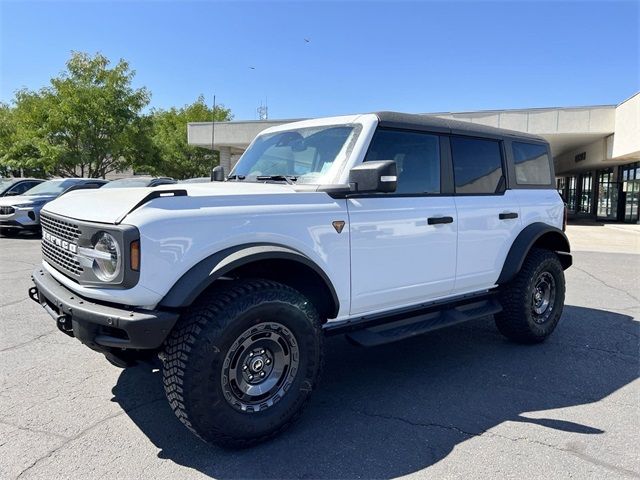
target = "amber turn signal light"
x: 135, y: 255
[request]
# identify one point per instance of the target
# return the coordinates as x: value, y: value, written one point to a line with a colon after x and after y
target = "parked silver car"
x: 22, y: 212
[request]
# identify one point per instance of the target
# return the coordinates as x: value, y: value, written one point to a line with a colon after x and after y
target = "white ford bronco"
x: 381, y: 226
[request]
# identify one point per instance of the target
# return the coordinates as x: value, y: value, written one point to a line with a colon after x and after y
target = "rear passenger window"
x: 531, y: 163
x: 417, y: 156
x: 477, y: 165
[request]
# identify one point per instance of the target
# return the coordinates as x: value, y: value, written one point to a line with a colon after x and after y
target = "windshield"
x: 128, y: 183
x: 52, y: 187
x: 306, y: 155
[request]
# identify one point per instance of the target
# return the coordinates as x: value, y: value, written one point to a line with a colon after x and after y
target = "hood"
x: 20, y: 199
x: 112, y: 205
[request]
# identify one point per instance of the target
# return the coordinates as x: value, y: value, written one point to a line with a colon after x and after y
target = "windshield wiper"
x: 236, y: 177
x: 279, y: 178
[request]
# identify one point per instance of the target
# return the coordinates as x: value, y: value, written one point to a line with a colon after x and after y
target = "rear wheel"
x: 533, y: 301
x: 241, y: 365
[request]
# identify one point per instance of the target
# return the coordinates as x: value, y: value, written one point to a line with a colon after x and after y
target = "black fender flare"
x: 556, y: 241
x: 203, y: 274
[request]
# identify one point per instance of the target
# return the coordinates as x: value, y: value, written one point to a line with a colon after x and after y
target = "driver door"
x: 403, y: 244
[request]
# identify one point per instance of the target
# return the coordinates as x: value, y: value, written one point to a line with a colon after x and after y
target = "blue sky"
x: 361, y: 56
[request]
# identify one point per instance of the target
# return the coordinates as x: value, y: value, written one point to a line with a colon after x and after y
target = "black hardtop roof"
x: 412, y: 121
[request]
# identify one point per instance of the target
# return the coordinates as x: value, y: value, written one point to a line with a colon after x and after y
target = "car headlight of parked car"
x: 105, y: 257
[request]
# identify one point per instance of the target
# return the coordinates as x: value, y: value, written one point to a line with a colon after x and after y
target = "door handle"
x: 438, y: 220
x: 507, y: 216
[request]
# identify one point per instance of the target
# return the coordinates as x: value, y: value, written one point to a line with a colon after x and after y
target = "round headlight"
x: 108, y: 259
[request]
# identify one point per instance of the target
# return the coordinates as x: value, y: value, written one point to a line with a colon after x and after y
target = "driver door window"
x: 417, y: 157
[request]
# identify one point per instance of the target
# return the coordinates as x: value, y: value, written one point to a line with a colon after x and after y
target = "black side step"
x: 424, y: 322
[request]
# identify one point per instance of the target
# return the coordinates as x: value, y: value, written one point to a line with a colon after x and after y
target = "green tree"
x: 176, y: 158
x: 7, y: 134
x: 87, y: 123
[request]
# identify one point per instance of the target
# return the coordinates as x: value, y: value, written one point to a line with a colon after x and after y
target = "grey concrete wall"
x: 225, y: 158
x: 228, y: 134
x: 596, y: 155
x: 626, y: 143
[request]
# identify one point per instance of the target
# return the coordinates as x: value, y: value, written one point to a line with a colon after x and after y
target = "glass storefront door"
x: 586, y: 190
x: 607, y: 202
x: 572, y: 185
x: 631, y: 192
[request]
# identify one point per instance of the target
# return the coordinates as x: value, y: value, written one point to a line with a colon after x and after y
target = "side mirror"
x: 379, y: 176
x: 217, y: 174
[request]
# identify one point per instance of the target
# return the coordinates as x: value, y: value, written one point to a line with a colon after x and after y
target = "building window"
x: 607, y: 202
x: 586, y: 190
x: 477, y: 165
x: 531, y: 163
x: 631, y: 192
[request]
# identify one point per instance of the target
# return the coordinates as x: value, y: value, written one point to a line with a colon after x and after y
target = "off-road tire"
x: 195, y: 353
x: 517, y: 321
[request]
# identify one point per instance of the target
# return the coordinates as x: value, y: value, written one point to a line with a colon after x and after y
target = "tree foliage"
x: 175, y: 158
x: 87, y: 123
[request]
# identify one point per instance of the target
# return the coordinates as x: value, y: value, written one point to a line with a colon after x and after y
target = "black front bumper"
x: 100, y: 326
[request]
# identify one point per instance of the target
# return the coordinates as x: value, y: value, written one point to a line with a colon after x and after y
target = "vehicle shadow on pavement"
x: 397, y: 409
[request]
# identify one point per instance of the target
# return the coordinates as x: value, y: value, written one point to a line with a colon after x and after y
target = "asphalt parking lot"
x: 458, y: 403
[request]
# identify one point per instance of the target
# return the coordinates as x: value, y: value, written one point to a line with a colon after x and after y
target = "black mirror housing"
x: 379, y: 176
x: 217, y: 174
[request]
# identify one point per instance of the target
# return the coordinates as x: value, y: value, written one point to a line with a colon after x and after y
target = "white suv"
x: 382, y: 226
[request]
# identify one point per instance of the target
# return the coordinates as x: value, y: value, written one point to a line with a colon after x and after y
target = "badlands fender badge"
x: 338, y: 225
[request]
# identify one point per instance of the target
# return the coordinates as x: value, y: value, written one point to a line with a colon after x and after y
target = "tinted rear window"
x: 531, y: 163
x: 477, y: 165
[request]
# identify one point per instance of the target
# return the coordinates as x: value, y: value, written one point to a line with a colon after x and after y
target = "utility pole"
x: 213, y: 131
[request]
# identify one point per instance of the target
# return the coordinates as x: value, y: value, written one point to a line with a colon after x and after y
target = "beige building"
x: 596, y: 150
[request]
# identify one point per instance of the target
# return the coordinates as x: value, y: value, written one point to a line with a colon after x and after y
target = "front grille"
x: 54, y: 252
x: 61, y: 258
x: 7, y: 210
x: 66, y: 230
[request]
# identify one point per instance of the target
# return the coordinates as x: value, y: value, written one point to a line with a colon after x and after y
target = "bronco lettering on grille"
x: 65, y: 245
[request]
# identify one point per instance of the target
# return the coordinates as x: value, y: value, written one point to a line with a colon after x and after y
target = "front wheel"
x: 532, y: 302
x: 241, y: 365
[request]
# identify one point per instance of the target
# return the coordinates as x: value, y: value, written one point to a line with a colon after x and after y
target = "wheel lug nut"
x: 267, y: 361
x: 261, y: 352
x: 245, y: 367
x: 251, y: 354
x: 250, y: 377
x: 262, y: 374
